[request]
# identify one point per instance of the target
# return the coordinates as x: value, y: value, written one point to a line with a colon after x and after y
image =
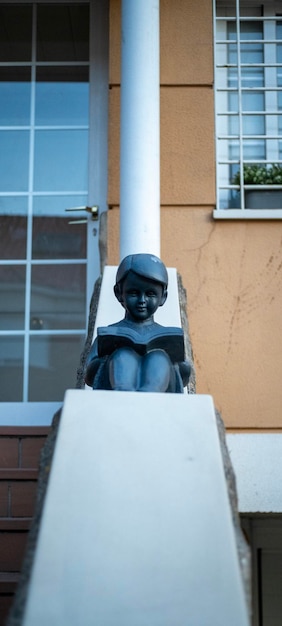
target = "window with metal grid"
x: 248, y: 105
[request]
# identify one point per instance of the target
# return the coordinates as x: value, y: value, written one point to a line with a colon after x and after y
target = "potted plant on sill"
x: 256, y: 175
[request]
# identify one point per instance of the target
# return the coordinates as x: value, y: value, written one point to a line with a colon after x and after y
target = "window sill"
x: 247, y: 214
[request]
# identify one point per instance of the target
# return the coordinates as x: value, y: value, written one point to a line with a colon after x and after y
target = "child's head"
x: 145, y: 265
x: 141, y: 274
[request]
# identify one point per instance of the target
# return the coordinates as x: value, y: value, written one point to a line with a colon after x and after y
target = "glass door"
x: 45, y: 160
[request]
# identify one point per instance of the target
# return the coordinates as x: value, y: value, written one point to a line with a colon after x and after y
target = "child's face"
x: 141, y: 297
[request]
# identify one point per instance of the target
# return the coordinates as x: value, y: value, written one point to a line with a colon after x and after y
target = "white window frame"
x: 28, y: 413
x: 222, y: 114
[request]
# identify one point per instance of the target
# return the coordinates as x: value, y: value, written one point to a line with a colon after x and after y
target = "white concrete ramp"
x: 137, y: 528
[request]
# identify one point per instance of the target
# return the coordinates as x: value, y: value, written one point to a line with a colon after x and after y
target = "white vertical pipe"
x: 140, y: 129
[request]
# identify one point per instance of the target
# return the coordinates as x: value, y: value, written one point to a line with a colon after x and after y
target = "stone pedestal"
x: 137, y: 527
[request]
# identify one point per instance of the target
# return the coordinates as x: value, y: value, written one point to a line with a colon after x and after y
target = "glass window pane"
x: 13, y: 237
x: 233, y: 101
x: 14, y: 160
x: 233, y: 150
x: 232, y: 49
x: 11, y: 369
x: 61, y: 159
x: 223, y: 169
x: 54, y: 237
x: 12, y: 297
x: 254, y: 150
x: 251, y: 52
x: 15, y: 32
x: 13, y: 223
x: 279, y: 53
x: 63, y: 32
x: 280, y: 117
x: 253, y: 101
x: 252, y: 77
x: 248, y: 30
x: 233, y: 125
x: 62, y: 96
x: 279, y: 80
x: 58, y: 295
x: 55, y: 206
x: 14, y: 96
x: 232, y: 79
x: 253, y: 125
x: 229, y: 199
x: 53, y: 366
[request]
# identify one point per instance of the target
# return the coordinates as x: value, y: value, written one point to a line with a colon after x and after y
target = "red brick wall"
x: 20, y: 449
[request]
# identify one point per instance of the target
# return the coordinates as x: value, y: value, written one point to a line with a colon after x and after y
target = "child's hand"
x: 91, y: 371
x: 185, y: 371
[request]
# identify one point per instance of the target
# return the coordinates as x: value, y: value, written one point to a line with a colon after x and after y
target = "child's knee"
x: 123, y: 368
x: 155, y: 371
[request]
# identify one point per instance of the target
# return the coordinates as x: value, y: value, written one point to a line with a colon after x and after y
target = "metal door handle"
x: 94, y: 210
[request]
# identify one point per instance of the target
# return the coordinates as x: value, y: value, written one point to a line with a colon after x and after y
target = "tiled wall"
x: 20, y: 449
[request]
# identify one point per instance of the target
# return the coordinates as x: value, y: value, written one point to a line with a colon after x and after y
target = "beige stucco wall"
x: 231, y: 269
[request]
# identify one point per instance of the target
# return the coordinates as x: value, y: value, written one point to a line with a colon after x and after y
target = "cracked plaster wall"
x: 232, y: 272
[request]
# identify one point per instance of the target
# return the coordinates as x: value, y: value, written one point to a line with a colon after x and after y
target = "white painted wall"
x: 257, y: 461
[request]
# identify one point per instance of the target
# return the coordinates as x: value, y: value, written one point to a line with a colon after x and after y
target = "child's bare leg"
x: 155, y: 371
x: 124, y: 369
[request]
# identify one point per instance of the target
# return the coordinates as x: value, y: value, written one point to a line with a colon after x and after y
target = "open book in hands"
x: 167, y: 338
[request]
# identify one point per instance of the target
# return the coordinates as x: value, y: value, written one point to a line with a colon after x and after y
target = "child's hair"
x: 145, y: 265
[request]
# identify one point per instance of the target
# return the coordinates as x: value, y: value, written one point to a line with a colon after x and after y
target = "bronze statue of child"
x: 136, y: 353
